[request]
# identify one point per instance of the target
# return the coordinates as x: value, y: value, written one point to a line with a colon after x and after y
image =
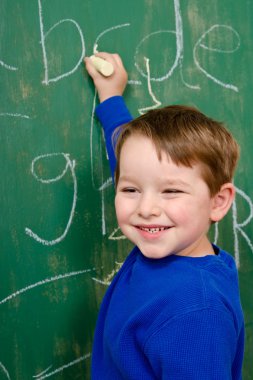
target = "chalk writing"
x: 216, y: 233
x: 179, y: 43
x: 8, y: 67
x: 203, y: 46
x: 44, y: 35
x: 238, y: 227
x: 93, y: 164
x: 137, y: 52
x: 91, y: 139
x: 157, y: 103
x: 43, y: 372
x: 65, y: 366
x: 112, y: 29
x: 44, y: 282
x: 108, y: 279
x: 106, y: 184
x: 71, y: 166
x: 113, y: 235
x: 4, y: 370
x: 14, y: 115
x: 178, y: 62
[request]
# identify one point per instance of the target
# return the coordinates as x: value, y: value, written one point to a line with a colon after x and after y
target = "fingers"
x: 108, y: 57
x: 114, y: 59
x: 112, y: 85
x: 118, y: 60
x: 92, y: 71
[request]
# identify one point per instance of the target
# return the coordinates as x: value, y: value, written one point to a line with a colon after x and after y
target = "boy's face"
x: 162, y: 208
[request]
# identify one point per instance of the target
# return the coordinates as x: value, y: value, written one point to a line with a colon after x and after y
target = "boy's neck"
x: 199, y: 249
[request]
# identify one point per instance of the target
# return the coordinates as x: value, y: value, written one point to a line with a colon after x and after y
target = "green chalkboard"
x: 59, y: 242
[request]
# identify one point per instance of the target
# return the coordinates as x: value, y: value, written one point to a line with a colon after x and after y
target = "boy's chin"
x: 154, y: 254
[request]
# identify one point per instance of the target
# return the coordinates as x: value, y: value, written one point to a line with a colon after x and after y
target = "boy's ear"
x: 222, y: 202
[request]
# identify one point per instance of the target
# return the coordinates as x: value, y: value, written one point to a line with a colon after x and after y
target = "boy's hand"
x: 108, y: 86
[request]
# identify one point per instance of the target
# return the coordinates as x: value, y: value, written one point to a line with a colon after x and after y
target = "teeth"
x: 153, y: 230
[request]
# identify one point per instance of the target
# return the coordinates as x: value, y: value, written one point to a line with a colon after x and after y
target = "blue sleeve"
x: 112, y: 113
x: 197, y: 345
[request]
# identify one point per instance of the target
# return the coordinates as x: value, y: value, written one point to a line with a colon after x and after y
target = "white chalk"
x: 103, y: 66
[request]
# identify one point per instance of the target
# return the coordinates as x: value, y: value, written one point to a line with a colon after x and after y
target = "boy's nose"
x: 149, y: 206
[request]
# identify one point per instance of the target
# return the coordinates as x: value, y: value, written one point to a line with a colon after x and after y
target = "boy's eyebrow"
x: 126, y: 178
x: 166, y: 182
x: 176, y: 182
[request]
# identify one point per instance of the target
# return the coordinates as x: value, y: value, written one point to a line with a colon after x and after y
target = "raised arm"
x: 112, y: 111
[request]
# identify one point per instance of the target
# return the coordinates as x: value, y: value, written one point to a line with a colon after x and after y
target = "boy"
x: 173, y: 311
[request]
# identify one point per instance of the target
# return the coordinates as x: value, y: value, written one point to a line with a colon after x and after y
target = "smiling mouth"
x: 152, y: 230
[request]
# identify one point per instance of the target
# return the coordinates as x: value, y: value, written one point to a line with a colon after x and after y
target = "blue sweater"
x: 176, y: 318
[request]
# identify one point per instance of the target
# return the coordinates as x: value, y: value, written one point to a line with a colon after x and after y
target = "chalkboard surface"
x: 60, y: 245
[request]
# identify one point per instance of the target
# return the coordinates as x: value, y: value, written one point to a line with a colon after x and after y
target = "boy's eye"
x: 128, y: 190
x: 172, y: 191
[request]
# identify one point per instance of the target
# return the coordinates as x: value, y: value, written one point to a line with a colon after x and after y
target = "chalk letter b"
x: 44, y: 36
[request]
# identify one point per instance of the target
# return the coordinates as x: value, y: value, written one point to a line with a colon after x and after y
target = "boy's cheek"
x: 121, y: 213
x: 116, y: 202
x: 120, y: 208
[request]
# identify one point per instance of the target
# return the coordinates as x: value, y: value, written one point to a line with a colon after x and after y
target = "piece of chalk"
x: 103, y: 66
